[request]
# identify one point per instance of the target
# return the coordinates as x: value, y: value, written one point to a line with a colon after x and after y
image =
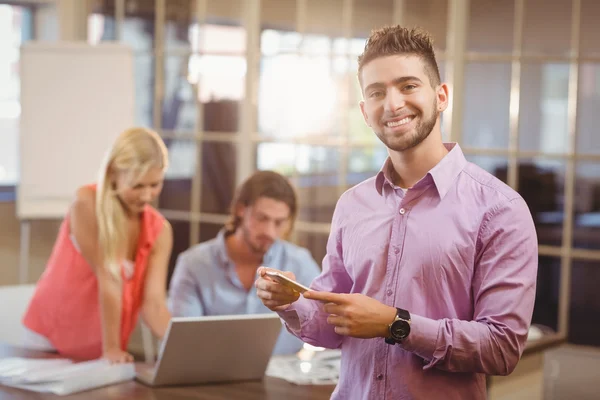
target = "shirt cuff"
x: 296, y: 315
x: 423, y: 336
x: 291, y: 319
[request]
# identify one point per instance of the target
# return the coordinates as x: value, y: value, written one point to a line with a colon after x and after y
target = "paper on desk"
x: 323, y: 369
x: 16, y: 367
x: 62, y: 376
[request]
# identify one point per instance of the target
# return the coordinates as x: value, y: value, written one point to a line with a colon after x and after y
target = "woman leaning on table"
x: 109, y: 261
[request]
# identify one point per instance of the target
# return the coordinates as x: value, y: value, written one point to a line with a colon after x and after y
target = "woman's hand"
x: 117, y: 356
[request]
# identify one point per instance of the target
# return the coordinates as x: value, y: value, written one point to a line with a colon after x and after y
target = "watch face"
x: 400, y: 329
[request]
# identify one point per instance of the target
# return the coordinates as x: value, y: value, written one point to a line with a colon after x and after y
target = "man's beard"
x: 248, y: 239
x: 422, y: 131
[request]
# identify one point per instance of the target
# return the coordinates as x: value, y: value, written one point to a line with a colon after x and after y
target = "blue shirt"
x: 205, y: 283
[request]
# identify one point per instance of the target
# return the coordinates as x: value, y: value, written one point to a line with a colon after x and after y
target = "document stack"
x: 61, y: 376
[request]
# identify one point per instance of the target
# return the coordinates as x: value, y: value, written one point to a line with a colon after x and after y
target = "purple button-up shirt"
x: 459, y: 252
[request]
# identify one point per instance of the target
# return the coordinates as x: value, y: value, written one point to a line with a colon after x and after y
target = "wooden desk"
x: 269, y: 388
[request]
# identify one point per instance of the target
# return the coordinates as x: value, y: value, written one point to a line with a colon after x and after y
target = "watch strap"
x: 403, y: 314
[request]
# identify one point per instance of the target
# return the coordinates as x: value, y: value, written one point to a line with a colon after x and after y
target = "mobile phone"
x: 285, y: 281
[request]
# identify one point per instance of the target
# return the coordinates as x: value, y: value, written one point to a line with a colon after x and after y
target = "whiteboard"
x: 75, y: 100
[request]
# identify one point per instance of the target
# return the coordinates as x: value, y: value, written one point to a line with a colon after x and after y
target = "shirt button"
x: 379, y: 377
x: 402, y: 211
x: 389, y: 292
x: 396, y: 250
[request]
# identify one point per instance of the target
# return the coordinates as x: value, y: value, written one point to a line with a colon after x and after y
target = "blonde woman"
x: 109, y: 262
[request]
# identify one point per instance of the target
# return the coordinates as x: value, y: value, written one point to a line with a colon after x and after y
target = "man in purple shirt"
x: 429, y: 280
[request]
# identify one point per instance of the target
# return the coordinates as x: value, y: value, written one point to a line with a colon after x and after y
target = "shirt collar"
x: 443, y: 174
x: 383, y: 176
x: 222, y: 248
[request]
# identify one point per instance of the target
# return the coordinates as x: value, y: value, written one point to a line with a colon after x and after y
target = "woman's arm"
x: 154, y: 306
x: 85, y: 230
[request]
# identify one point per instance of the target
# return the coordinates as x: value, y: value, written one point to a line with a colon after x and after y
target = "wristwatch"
x: 399, y: 328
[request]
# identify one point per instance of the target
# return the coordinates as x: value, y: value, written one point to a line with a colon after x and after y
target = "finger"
x: 274, y: 287
x: 272, y: 300
x: 279, y: 299
x: 337, y: 298
x: 289, y: 274
x: 341, y: 330
x: 269, y: 293
x: 262, y: 271
x: 332, y: 308
x: 337, y: 320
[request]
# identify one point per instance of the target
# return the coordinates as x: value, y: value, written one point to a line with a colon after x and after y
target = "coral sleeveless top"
x: 65, y: 306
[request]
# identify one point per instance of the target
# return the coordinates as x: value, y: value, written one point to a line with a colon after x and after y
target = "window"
x: 290, y: 103
x: 520, y: 131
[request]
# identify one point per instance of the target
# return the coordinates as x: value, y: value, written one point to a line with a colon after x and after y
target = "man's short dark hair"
x: 397, y: 40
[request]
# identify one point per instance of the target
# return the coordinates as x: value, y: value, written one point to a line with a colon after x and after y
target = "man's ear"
x: 240, y: 209
x: 443, y: 97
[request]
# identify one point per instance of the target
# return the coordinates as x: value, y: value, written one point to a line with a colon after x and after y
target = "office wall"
x: 52, y: 19
x: 43, y: 233
x: 9, y: 244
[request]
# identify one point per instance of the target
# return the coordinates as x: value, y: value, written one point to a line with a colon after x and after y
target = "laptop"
x: 198, y: 350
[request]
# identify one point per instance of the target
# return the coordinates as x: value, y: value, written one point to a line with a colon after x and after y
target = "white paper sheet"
x: 62, y: 376
x: 321, y: 369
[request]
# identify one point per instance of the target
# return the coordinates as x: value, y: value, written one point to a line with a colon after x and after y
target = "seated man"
x: 217, y: 277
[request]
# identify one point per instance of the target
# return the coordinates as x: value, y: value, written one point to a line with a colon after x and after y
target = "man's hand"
x: 355, y: 315
x: 274, y: 295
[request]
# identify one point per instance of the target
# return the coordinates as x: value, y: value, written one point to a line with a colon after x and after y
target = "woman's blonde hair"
x: 135, y: 151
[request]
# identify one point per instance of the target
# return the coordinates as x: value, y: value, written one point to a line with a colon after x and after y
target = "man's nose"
x: 394, y: 100
x: 271, y: 230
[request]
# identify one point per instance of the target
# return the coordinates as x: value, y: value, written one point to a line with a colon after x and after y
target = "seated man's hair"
x: 262, y: 184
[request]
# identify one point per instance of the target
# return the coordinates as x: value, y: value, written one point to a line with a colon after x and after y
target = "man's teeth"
x: 398, y: 123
